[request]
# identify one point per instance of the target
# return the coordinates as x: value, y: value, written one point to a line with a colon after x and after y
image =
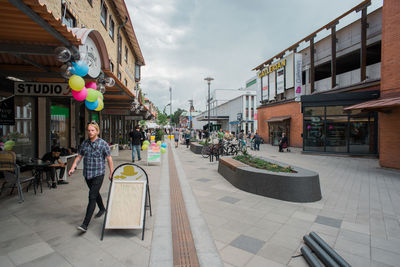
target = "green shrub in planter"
x: 262, y: 164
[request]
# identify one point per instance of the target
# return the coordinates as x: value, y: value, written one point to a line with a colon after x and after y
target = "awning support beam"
x: 41, y: 22
x: 30, y: 49
x: 33, y: 63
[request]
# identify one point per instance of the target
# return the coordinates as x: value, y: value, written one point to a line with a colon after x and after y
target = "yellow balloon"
x: 158, y: 143
x: 76, y: 82
x: 101, y: 105
x: 144, y: 147
x: 152, y: 137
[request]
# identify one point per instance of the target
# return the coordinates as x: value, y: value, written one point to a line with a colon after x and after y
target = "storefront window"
x: 353, y: 132
x: 59, y: 125
x: 362, y: 132
x: 336, y: 134
x: 314, y: 111
x: 314, y: 134
x: 22, y: 133
x: 335, y: 110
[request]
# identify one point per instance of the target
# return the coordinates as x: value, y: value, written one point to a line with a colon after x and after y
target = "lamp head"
x: 208, y: 79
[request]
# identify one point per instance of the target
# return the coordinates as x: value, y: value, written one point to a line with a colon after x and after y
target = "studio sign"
x: 41, y: 89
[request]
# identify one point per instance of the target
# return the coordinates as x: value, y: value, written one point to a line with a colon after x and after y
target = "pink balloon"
x: 80, y: 95
x: 92, y: 85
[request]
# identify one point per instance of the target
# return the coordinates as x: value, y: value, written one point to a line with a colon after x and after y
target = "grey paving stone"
x: 247, y: 243
x: 203, y: 180
x: 51, y: 260
x: 30, y: 253
x: 384, y: 256
x: 228, y: 199
x: 328, y: 221
x: 5, y: 262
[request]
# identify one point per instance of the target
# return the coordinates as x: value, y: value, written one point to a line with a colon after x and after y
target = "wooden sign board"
x: 127, y: 198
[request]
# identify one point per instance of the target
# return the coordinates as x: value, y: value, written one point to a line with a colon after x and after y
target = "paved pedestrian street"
x: 358, y: 216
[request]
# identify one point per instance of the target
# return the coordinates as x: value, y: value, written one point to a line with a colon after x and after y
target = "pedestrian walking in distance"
x: 94, y: 151
x: 136, y: 139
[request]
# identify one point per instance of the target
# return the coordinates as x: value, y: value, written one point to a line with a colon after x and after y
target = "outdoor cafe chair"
x: 12, y: 174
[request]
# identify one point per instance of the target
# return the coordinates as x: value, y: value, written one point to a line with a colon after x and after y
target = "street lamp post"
x: 170, y: 106
x: 209, y: 79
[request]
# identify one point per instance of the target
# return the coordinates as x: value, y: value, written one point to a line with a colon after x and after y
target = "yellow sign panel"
x: 267, y: 70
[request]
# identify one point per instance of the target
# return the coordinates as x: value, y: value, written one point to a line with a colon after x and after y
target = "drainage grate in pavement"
x: 248, y: 243
x: 201, y: 168
x: 328, y: 221
x: 203, y: 180
x: 231, y: 200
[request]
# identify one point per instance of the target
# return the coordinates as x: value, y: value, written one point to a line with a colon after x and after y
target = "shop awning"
x: 29, y: 33
x: 377, y: 104
x: 278, y: 119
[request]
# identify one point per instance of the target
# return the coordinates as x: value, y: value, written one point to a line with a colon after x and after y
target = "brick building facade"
x: 389, y: 122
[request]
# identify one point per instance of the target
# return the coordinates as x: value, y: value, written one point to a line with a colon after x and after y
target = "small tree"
x: 162, y: 119
x: 159, y: 135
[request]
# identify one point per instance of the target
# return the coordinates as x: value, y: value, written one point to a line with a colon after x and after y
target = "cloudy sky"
x: 184, y: 41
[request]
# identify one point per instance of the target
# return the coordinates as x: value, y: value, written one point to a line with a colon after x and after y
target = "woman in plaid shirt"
x: 94, y: 151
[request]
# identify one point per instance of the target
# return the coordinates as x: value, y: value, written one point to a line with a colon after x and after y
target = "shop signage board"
x: 115, y: 112
x: 298, y: 76
x: 280, y: 81
x: 272, y: 92
x: 7, y: 114
x: 134, y: 118
x: 153, y: 154
x: 42, y: 89
x: 126, y: 205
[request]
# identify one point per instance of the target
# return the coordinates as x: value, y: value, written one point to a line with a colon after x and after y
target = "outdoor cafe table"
x: 38, y: 166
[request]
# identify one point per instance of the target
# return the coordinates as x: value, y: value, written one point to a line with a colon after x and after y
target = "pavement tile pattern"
x: 358, y: 215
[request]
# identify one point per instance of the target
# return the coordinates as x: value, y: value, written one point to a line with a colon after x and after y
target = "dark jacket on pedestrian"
x: 135, y: 136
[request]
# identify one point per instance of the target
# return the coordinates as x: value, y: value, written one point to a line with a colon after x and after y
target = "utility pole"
x: 170, y: 105
x: 209, y: 79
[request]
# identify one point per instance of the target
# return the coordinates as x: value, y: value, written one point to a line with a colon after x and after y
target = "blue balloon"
x: 79, y: 68
x: 164, y: 145
x: 92, y: 105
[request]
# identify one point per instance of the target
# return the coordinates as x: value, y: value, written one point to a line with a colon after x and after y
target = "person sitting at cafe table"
x: 54, y: 158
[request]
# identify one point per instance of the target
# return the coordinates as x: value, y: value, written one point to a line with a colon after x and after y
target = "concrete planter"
x: 302, y: 186
x: 196, y: 147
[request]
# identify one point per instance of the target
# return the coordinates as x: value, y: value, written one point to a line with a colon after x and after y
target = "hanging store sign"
x: 115, y: 112
x: 280, y: 81
x: 298, y: 76
x: 41, y: 89
x: 134, y: 118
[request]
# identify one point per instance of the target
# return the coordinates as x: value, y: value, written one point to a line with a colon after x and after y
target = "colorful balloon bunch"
x: 162, y: 146
x: 81, y: 91
x: 74, y: 71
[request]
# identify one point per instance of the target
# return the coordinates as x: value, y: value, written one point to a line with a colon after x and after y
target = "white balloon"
x: 110, y: 82
x: 63, y: 54
x: 65, y: 70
